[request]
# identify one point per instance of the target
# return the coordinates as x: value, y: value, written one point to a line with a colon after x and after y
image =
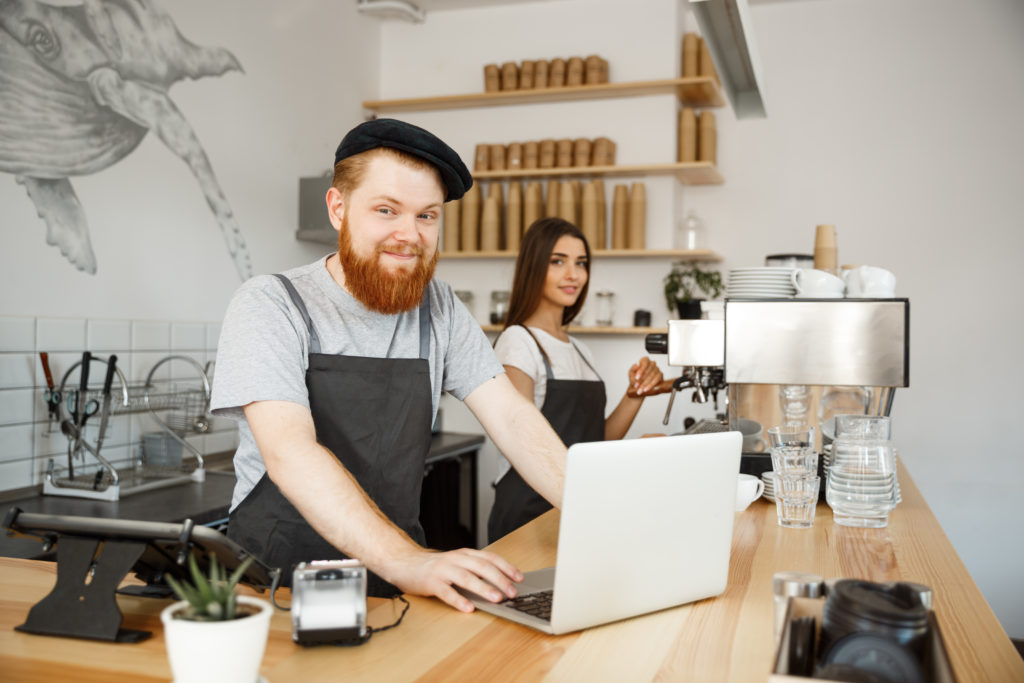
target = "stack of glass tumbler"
x: 795, y: 463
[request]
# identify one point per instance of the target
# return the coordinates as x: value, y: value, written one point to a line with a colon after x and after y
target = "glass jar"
x: 605, y: 308
x: 466, y: 297
x: 499, y: 306
x: 691, y: 233
x: 861, y: 487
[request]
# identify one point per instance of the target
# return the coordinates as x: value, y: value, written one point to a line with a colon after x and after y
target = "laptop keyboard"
x: 535, y: 604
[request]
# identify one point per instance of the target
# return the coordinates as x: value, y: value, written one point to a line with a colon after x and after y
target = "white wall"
x: 308, y: 66
x: 897, y: 122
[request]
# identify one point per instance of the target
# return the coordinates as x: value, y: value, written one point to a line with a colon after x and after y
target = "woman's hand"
x: 645, y: 379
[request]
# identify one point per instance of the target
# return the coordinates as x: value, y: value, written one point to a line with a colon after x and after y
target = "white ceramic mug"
x: 748, y: 489
x: 751, y: 430
x: 869, y: 282
x: 811, y: 283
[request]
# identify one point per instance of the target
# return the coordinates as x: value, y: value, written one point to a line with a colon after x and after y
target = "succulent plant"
x: 209, y: 598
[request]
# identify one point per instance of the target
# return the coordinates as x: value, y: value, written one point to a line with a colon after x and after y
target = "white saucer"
x: 817, y: 296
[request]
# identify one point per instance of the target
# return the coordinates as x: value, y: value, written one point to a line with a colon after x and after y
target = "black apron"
x: 374, y: 415
x: 575, y: 409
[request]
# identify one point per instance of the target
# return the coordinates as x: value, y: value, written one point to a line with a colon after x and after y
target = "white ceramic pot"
x: 222, y: 651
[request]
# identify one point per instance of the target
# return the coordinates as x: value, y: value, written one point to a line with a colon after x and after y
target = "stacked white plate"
x: 768, y: 477
x: 760, y: 283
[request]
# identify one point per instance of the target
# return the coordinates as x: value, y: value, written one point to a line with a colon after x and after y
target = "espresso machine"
x: 776, y: 360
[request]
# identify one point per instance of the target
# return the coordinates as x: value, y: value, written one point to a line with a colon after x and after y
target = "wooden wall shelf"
x: 592, y: 329
x: 687, y: 172
x: 698, y: 91
x: 692, y: 255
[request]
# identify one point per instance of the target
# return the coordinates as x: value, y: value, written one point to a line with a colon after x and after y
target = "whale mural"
x: 80, y: 86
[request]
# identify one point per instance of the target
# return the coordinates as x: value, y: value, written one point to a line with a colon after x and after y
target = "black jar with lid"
x: 893, y: 610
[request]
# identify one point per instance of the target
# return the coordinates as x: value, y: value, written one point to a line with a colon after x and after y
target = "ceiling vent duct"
x: 728, y: 32
x: 392, y: 9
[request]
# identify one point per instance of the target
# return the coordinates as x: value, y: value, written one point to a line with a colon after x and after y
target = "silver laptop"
x: 646, y: 524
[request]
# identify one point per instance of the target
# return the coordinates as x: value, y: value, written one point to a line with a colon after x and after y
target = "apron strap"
x: 584, y: 358
x: 314, y: 341
x: 425, y: 325
x: 547, y: 363
x: 543, y: 353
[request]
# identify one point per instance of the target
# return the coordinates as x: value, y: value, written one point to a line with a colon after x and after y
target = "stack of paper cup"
x: 826, y: 255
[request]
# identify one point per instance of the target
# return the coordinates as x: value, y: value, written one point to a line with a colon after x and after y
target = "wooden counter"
x: 728, y: 638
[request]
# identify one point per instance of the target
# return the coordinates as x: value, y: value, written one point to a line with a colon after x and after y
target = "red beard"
x: 378, y: 288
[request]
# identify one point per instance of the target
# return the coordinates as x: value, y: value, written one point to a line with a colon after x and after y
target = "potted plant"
x: 683, y: 282
x: 213, y: 634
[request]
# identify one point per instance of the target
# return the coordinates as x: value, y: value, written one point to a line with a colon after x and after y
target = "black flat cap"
x: 413, y: 140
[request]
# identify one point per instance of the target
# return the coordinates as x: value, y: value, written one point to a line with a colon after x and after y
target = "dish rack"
x: 180, y: 407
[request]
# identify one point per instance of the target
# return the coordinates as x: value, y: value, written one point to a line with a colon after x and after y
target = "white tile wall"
x: 60, y: 334
x: 28, y: 440
x: 16, y: 474
x: 17, y: 370
x: 16, y: 406
x: 151, y: 336
x: 188, y: 337
x: 109, y: 335
x: 17, y: 334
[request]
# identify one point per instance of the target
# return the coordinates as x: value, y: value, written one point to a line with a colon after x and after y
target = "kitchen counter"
x: 204, y: 503
x: 728, y: 638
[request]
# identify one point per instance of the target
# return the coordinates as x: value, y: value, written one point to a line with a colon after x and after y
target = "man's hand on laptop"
x: 429, y: 572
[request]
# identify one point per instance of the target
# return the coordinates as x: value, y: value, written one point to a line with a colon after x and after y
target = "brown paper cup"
x: 509, y: 76
x: 574, y: 71
x: 563, y: 158
x: 492, y: 78
x: 547, y: 153
x: 514, y: 156
x: 581, y: 152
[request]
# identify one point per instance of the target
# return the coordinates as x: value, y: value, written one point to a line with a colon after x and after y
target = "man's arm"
x: 522, y: 434
x: 334, y: 504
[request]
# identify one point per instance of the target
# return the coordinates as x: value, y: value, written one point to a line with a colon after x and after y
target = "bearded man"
x: 334, y: 372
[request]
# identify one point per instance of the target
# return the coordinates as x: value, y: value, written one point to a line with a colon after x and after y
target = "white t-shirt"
x: 515, y: 347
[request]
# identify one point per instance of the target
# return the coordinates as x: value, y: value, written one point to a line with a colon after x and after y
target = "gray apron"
x: 575, y: 409
x: 374, y: 415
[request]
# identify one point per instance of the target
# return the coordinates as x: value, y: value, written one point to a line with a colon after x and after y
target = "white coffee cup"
x: 869, y: 282
x: 751, y: 430
x: 811, y: 284
x: 748, y: 489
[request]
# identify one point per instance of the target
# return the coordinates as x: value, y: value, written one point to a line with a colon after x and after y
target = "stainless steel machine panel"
x: 696, y: 343
x: 856, y: 342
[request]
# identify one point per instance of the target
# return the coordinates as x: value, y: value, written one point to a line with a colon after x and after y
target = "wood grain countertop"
x: 728, y: 638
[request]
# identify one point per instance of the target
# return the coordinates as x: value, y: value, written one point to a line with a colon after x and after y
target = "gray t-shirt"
x: 264, y: 348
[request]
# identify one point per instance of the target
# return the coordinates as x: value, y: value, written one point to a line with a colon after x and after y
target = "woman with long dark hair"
x: 551, y: 368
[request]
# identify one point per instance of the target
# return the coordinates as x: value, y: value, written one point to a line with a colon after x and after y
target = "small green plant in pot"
x: 213, y: 634
x: 683, y: 283
x: 209, y: 598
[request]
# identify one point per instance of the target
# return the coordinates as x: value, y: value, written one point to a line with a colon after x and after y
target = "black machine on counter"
x: 775, y: 358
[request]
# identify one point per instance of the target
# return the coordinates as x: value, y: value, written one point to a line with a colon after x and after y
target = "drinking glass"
x: 793, y: 453
x: 795, y: 501
x: 861, y: 485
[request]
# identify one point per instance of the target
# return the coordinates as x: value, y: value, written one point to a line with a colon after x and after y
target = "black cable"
x: 398, y: 621
x: 274, y: 584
